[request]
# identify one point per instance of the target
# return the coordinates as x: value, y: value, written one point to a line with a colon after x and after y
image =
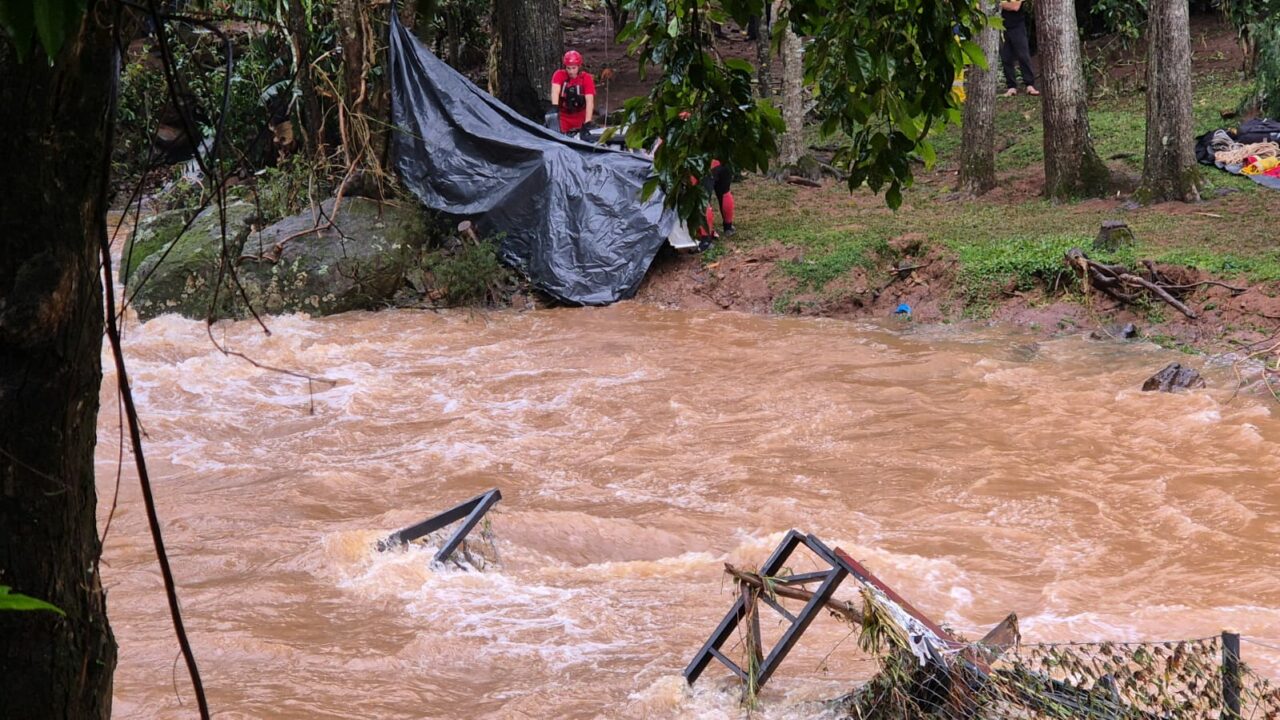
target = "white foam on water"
x: 668, y: 567
x: 719, y: 698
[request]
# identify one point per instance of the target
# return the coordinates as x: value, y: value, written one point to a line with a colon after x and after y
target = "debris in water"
x: 472, y: 510
x: 926, y: 639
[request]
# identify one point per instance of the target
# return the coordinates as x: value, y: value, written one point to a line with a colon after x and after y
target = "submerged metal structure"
x: 470, y: 512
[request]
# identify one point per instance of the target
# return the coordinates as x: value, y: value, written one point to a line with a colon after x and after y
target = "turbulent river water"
x: 638, y: 449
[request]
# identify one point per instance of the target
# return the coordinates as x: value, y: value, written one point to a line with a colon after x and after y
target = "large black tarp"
x: 570, y: 213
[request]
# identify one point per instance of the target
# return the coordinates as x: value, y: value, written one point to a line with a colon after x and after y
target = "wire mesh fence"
x: 1192, y: 679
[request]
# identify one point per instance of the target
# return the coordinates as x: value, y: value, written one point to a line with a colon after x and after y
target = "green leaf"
x: 17, y: 601
x: 927, y: 154
x: 973, y: 51
x: 893, y: 196
x: 51, y: 22
x: 649, y: 187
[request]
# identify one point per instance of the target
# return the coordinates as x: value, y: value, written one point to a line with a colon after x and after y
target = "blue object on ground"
x: 903, y: 309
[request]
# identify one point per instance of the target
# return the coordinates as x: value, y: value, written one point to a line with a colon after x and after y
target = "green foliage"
x: 1020, y: 263
x: 18, y: 601
x: 724, y: 121
x: 460, y: 27
x: 1265, y: 93
x: 1261, y: 267
x: 470, y: 275
x: 49, y: 21
x: 1123, y: 18
x: 142, y: 94
x: 286, y: 189
x: 1245, y: 15
x: 816, y: 270
x: 882, y: 84
x: 260, y: 73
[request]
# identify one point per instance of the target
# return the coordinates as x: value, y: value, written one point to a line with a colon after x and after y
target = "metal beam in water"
x: 472, y: 510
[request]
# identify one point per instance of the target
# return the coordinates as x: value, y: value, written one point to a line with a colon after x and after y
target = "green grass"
x: 1014, y: 239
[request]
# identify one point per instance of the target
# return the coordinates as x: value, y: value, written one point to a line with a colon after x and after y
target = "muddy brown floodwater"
x: 637, y: 449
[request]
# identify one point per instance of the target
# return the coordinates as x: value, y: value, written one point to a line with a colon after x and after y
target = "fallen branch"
x: 1118, y: 282
x: 797, y: 180
x: 1232, y: 288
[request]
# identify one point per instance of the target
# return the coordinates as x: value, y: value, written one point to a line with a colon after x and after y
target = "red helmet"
x: 573, y: 57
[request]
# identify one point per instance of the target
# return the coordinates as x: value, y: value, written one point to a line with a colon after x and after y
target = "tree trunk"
x: 1072, y: 167
x: 978, y: 139
x: 55, y: 139
x: 349, y: 18
x: 530, y: 44
x: 764, y: 55
x: 309, y: 101
x: 793, y: 95
x: 1169, y: 169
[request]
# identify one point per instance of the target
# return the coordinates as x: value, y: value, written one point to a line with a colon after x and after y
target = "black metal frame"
x: 472, y: 510
x: 829, y: 579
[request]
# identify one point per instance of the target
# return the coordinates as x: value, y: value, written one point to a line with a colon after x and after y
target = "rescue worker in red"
x: 573, y: 92
x: 722, y: 184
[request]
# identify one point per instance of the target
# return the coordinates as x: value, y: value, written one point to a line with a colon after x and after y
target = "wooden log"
x: 843, y: 610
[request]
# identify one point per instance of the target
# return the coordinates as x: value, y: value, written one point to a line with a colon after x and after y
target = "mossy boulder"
x: 359, y: 263
x: 153, y: 234
x: 179, y: 274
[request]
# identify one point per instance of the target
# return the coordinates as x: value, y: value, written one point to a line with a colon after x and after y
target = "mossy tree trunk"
x: 1072, y: 167
x: 1169, y: 169
x: 528, y: 45
x: 978, y: 138
x: 55, y: 141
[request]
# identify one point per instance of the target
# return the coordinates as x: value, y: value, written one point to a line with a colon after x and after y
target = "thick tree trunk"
x: 309, y: 101
x: 530, y: 43
x: 1169, y: 169
x: 54, y: 138
x: 793, y: 95
x: 1072, y: 167
x: 978, y: 139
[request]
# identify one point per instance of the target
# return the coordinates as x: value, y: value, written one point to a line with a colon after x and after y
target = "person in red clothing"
x: 573, y: 92
x: 722, y: 183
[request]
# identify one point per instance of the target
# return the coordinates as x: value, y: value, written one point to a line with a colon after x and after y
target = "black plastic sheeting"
x: 570, y: 213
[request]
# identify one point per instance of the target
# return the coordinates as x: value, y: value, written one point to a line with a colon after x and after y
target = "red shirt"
x: 570, y: 121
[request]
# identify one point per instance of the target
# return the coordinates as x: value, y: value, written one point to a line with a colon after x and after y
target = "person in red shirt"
x: 573, y: 92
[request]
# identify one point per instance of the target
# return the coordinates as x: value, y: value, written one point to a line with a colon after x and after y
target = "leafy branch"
x: 18, y: 601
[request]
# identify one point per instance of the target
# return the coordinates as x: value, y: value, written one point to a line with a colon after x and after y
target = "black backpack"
x: 1258, y: 130
x: 572, y: 98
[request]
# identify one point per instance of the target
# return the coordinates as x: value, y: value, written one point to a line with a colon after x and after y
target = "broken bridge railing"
x: 470, y: 512
x: 926, y: 638
x: 928, y: 671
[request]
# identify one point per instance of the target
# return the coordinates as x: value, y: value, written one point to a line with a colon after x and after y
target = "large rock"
x: 1172, y: 378
x: 154, y: 232
x: 359, y: 263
